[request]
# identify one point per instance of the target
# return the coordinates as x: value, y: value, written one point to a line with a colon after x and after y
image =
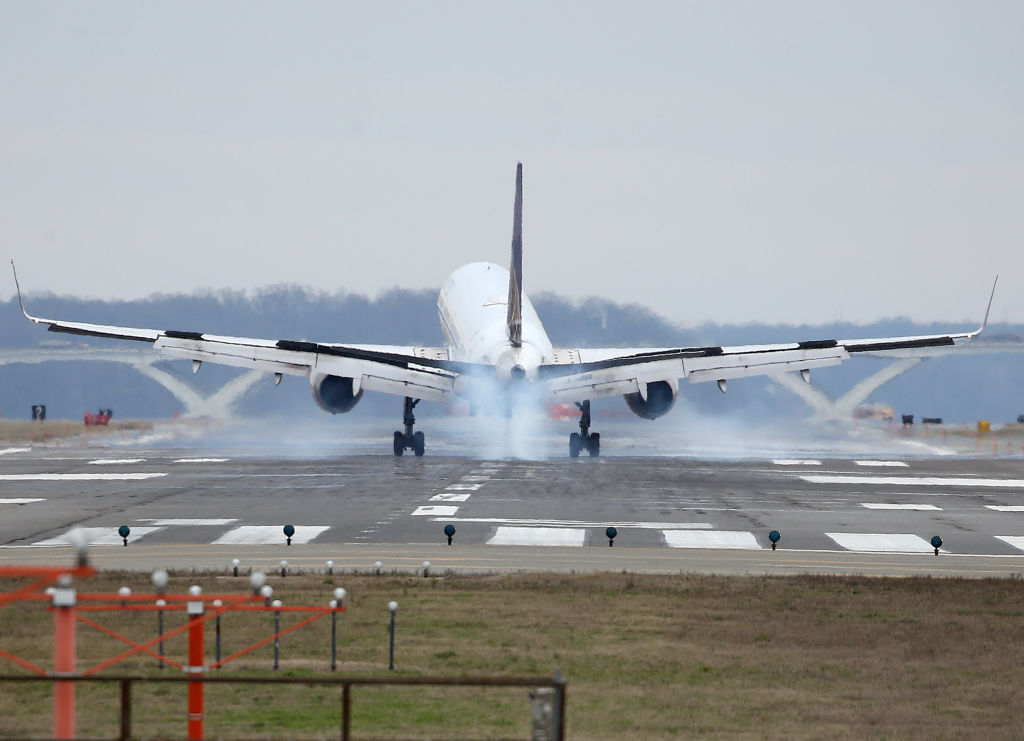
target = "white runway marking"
x: 883, y: 505
x: 883, y: 464
x: 202, y: 460
x: 98, y: 536
x: 581, y: 523
x: 115, y: 461
x: 554, y: 536
x: 8, y: 451
x: 188, y: 522
x: 797, y: 462
x: 450, y: 496
x: 912, y: 481
x: 22, y: 500
x: 1005, y: 507
x: 462, y: 487
x: 881, y: 542
x: 476, y: 478
x: 1017, y: 541
x: 736, y: 539
x: 79, y: 476
x: 433, y: 510
x: 269, y: 534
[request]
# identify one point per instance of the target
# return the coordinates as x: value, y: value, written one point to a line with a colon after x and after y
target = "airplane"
x: 499, y: 356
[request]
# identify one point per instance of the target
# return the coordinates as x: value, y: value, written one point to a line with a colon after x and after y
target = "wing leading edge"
x: 420, y: 372
x: 599, y: 372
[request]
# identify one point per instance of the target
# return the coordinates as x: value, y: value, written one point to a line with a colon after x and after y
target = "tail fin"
x: 514, y: 319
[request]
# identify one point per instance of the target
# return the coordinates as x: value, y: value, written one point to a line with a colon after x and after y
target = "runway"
x: 195, y: 507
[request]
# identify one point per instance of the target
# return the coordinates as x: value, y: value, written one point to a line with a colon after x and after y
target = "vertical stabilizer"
x: 514, y: 319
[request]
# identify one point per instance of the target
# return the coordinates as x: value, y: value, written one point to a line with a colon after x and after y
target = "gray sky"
x: 729, y: 161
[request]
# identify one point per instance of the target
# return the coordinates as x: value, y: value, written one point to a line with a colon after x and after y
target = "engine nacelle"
x: 334, y: 393
x: 661, y: 396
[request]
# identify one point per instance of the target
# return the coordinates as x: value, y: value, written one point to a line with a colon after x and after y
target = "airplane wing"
x: 419, y: 372
x: 598, y: 372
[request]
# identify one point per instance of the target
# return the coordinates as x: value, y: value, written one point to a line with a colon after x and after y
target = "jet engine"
x: 334, y: 393
x: 661, y: 396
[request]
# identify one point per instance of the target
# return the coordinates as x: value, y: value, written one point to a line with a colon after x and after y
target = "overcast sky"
x: 723, y: 161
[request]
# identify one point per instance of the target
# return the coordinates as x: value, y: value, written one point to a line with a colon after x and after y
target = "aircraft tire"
x: 399, y: 444
x: 419, y: 444
x: 594, y: 445
x: 575, y: 445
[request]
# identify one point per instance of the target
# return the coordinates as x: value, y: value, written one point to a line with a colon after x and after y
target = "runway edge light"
x: 124, y: 531
x: 936, y: 543
x: 610, y: 533
x: 289, y: 531
x: 774, y: 536
x: 449, y: 530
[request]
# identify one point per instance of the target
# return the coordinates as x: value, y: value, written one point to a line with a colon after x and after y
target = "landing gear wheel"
x: 419, y: 444
x: 575, y: 445
x: 399, y: 444
x: 594, y: 444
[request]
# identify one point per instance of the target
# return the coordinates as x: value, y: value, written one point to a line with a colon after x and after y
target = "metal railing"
x: 557, y: 684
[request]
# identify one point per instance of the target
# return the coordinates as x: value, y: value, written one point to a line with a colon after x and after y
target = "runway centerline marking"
x: 21, y: 500
x: 913, y: 481
x: 431, y: 510
x: 450, y: 496
x: 1005, y: 507
x: 549, y: 536
x: 115, y: 461
x: 796, y: 462
x: 269, y: 534
x: 79, y: 476
x: 728, y: 539
x: 462, y: 487
x: 202, y: 460
x: 8, y: 451
x: 884, y: 505
x: 883, y: 464
x: 881, y: 542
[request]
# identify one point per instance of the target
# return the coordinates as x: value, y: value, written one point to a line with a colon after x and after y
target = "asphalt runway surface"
x: 198, y: 507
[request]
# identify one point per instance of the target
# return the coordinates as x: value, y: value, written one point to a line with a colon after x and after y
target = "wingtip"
x: 17, y: 287
x: 988, y: 309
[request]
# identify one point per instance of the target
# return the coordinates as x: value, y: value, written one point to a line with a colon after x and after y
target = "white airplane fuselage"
x: 472, y: 308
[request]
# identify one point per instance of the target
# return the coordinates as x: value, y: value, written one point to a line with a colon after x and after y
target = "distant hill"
x: 955, y: 388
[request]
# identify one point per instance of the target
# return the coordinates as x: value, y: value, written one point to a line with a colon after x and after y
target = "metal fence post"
x: 126, y: 709
x: 346, y: 711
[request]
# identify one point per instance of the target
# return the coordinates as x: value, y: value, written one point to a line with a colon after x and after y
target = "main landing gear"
x: 408, y: 440
x: 584, y: 439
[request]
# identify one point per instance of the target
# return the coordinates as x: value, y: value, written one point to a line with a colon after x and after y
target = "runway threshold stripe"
x: 884, y: 505
x: 551, y: 536
x: 579, y: 523
x: 914, y: 481
x: 97, y: 536
x: 727, y: 539
x: 881, y: 542
x: 269, y: 535
x: 462, y: 487
x: 1017, y: 541
x: 186, y: 522
x: 79, y: 476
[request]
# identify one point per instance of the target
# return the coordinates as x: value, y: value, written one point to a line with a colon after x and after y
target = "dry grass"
x: 652, y: 657
x: 27, y: 431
